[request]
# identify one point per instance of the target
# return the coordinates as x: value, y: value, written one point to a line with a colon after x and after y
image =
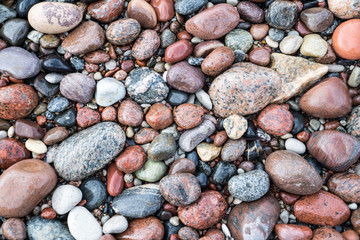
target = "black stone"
x: 164, y: 215
x: 171, y: 229
x: 244, y: 25
x: 14, y: 31
x: 299, y: 122
x: 331, y: 28
x: 251, y: 132
x: 253, y: 150
x: 23, y: 7
x: 55, y: 63
x: 310, y: 4
x: 193, y: 156
x: 223, y: 172
x: 44, y: 87
x: 202, y: 179
x: 66, y: 118
x: 94, y: 191
x: 313, y: 162
x: 204, y: 167
x: 176, y: 97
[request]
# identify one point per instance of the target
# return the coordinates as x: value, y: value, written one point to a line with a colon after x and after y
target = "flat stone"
x: 65, y: 198
x: 41, y: 229
x: 123, y: 31
x: 83, y: 225
x: 77, y: 87
x: 292, y: 231
x: 28, y: 129
x: 144, y: 228
x: 346, y: 186
x: 186, y: 7
x: 151, y: 171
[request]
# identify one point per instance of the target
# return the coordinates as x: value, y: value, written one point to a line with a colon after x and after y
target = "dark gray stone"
x: 86, y: 152
x: 223, y: 172
x: 176, y: 97
x: 167, y: 38
x: 78, y: 63
x: 14, y: 31
x: 66, y: 118
x: 162, y: 147
x: 196, y: 61
x: 39, y: 228
x: 44, y: 87
x: 281, y: 14
x: 23, y: 7
x: 139, y: 202
x: 185, y: 7
x: 58, y: 104
x: 6, y: 13
x: 94, y: 191
x: 55, y: 63
x: 276, y: 34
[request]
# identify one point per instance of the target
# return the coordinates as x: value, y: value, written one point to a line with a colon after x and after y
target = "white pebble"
x: 284, y: 216
x: 54, y: 78
x: 44, y: 206
x: 175, y: 221
x: 196, y: 40
x: 3, y: 134
x: 11, y: 131
x: 286, y: 136
x: 292, y: 216
x: 65, y: 198
x: 129, y: 132
x: 109, y: 91
x: 104, y: 219
x: 35, y: 36
x: 97, y: 76
x: 237, y: 201
x: 353, y: 206
x: 295, y: 145
x: 290, y: 44
x: 335, y: 68
x: 110, y: 65
x: 232, y: 2
x: 36, y: 146
x: 204, y: 99
x: 225, y: 230
x: 83, y: 225
x: 354, y: 79
x: 128, y: 178
x: 137, y: 182
x: 116, y: 224
x: 271, y: 42
x: 191, y: 99
x: 144, y: 124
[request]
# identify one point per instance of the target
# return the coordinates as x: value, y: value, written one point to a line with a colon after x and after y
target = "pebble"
x: 115, y: 180
x: 146, y: 86
x: 94, y: 146
x: 176, y: 98
x: 186, y: 7
x: 54, y: 63
x: 317, y: 19
x: 259, y: 31
x: 11, y: 56
x: 159, y: 116
x: 207, y: 151
x: 14, y: 228
x: 58, y: 104
x: 233, y: 149
x: 276, y: 120
x: 290, y: 44
x: 326, y: 233
x: 345, y: 185
x: 353, y: 122
x: 130, y: 113
x: 294, y: 145
x: 19, y: 196
x: 145, y: 135
x: 218, y: 61
x: 44, y: 87
x: 235, y: 78
x: 167, y: 38
x: 116, y: 224
x: 260, y: 56
x: 151, y: 171
x: 131, y: 159
x: 28, y: 129
x: 354, y: 79
x: 205, y: 212
x: 328, y: 154
x: 146, y: 45
x: 106, y: 11
x: 65, y: 198
x: 188, y: 115
x: 281, y: 14
x: 345, y: 41
x: 36, y: 146
x: 65, y: 119
x: 87, y: 37
x: 6, y: 13
x: 178, y: 51
x: 321, y: 208
x: 239, y: 39
x: 355, y: 217
x: 182, y: 165
x: 14, y: 31
x: 164, y: 9
x: 68, y: 16
x: 123, y: 31
x: 97, y: 57
x: 266, y: 211
x: 235, y: 126
x: 41, y: 228
x: 213, y: 22
x: 143, y: 12
x: 271, y: 42
x: 292, y: 231
x: 188, y: 233
x: 344, y: 9
x: 292, y: 173
x: 83, y: 225
x: 314, y: 46
x: 251, y: 12
x: 109, y: 91
x: 162, y: 147
x: 49, y: 41
x: 94, y: 191
x: 144, y: 228
x: 138, y: 202
x: 77, y: 87
x: 204, y: 99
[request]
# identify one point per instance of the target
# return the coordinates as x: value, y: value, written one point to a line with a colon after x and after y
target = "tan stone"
x: 208, y: 151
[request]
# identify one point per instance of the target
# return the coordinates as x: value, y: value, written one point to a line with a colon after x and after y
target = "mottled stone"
x: 87, y: 117
x: 130, y: 113
x: 123, y: 31
x: 78, y: 87
x: 251, y: 12
x: 188, y: 233
x: 218, y: 61
x: 14, y: 229
x: 355, y: 220
x: 189, y: 115
x: 106, y: 10
x: 39, y: 228
x: 131, y: 159
x: 346, y: 186
x: 353, y: 122
x: 326, y: 233
x: 281, y: 14
x: 145, y: 135
x: 344, y: 9
x: 207, y: 151
x: 186, y: 7
x: 55, y: 135
x: 276, y: 120
x: 239, y: 39
x: 138, y: 202
x: 317, y: 19
x: 182, y: 165
x: 292, y: 231
x: 85, y: 152
x: 143, y: 12
x: 233, y: 149
x: 162, y: 147
x: 345, y: 41
x: 235, y: 126
x: 146, y: 45
x: 159, y: 116
x: 145, y: 228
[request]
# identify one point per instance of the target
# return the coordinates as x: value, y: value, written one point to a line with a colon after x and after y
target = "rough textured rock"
x: 353, y: 122
x: 281, y: 14
x: 11, y: 152
x: 145, y: 228
x: 123, y: 31
x: 344, y: 9
x: 39, y: 228
x: 346, y: 186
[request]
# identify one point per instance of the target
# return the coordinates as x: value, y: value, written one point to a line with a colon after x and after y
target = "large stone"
x: 78, y: 87
x: 123, y: 31
x: 345, y: 9
x: 317, y: 19
x: 345, y: 41
x: 39, y: 228
x: 83, y: 225
x: 14, y: 31
x: 346, y: 186
x: 296, y: 73
x: 144, y: 228
x: 244, y: 89
x: 281, y: 14
x: 84, y: 153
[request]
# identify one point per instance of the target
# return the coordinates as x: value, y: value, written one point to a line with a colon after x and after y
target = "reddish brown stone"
x: 184, y: 35
x: 346, y: 41
x: 187, y: 233
x: 11, y: 152
x: 131, y: 159
x: 335, y: 150
x: 146, y: 45
x: 108, y: 114
x: 292, y: 232
x: 97, y: 57
x: 276, y: 120
x: 164, y: 9
x: 130, y: 113
x: 145, y: 135
x: 329, y: 99
x: 220, y: 138
x: 321, y: 208
x: 123, y: 31
x: 115, y: 180
x: 107, y: 237
x: 326, y: 233
x: 205, y: 212
x: 142, y: 12
x: 87, y: 117
x: 28, y: 129
x: 218, y: 61
x: 189, y: 115
x: 178, y: 51
x: 17, y: 101
x: 14, y: 229
x: 182, y: 165
x: 302, y: 29
x: 350, y: 235
x: 355, y: 220
x: 289, y: 198
x: 215, y: 234
x: 206, y: 47
x: 259, y: 31
x: 55, y: 135
x: 48, y: 213
x: 127, y: 65
x: 144, y: 228
x: 159, y: 116
x: 251, y: 12
x: 89, y: 67
x: 329, y: 57
x: 106, y: 10
x: 303, y: 136
x: 260, y: 56
x: 19, y: 195
x: 346, y: 186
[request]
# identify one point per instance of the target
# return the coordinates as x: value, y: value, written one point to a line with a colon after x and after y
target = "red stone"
x: 143, y: 12
x: 260, y: 56
x: 131, y: 159
x: 346, y: 186
x: 218, y: 61
x: 321, y: 208
x: 127, y: 65
x: 144, y: 228
x: 215, y: 234
x: 107, y: 237
x: 350, y: 235
x: 188, y: 233
x: 276, y: 120
x: 302, y: 28
x: 204, y: 213
x: 130, y: 113
x: 17, y: 101
x: 11, y: 151
x: 48, y: 213
x: 189, y: 115
x: 206, y: 47
x: 326, y: 233
x: 108, y: 114
x: 145, y: 135
x: 159, y: 116
x: 346, y: 41
x: 107, y: 10
x: 292, y: 232
x: 115, y: 180
x: 164, y: 9
x: 146, y: 45
x: 259, y: 31
x: 303, y: 136
x: 178, y: 51
x: 182, y: 165
x: 220, y: 138
x: 184, y: 35
x: 97, y: 57
x: 87, y: 117
x: 289, y: 198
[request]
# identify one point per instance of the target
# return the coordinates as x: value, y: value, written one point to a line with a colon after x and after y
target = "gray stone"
x: 239, y: 39
x: 86, y: 152
x: 233, y: 149
x: 146, y: 86
x: 353, y: 122
x: 223, y: 172
x: 94, y: 191
x: 185, y: 7
x: 58, y: 104
x: 167, y: 38
x: 39, y: 228
x: 77, y: 87
x: 6, y: 13
x: 18, y: 62
x: 54, y: 77
x: 138, y: 202
x: 281, y: 14
x: 276, y: 34
x: 14, y: 31
x: 249, y: 186
x: 162, y: 147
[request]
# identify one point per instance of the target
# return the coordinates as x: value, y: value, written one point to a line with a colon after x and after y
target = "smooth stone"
x: 249, y: 186
x: 317, y: 19
x: 28, y: 129
x: 39, y: 228
x: 44, y: 87
x: 223, y: 171
x: 58, y: 104
x: 335, y: 150
x: 297, y: 74
x: 292, y: 173
x: 353, y: 122
x: 146, y: 45
x: 130, y: 113
x: 218, y: 61
x: 186, y: 7
x: 176, y: 98
x: 143, y: 12
x: 11, y: 152
x: 245, y: 97
x: 204, y: 99
x: 23, y: 7
x: 109, y: 91
x: 151, y: 171
x: 354, y: 79
x: 281, y: 14
x: 146, y: 86
x: 116, y: 224
x: 14, y: 31
x: 314, y: 46
x: 346, y: 186
x: 188, y: 115
x: 204, y: 213
x: 162, y: 147
x: 97, y: 57
x: 83, y: 225
x: 290, y: 44
x: 54, y: 17
x: 145, y: 135
x: 6, y: 13
x: 4, y: 125
x: 65, y: 198
x: 213, y: 22
x: 87, y: 37
x: 94, y: 191
x: 299, y: 123
x: 77, y: 87
x: 276, y: 34
x: 326, y: 233
x: 292, y: 231
x: 207, y: 151
x: 233, y: 149
x: 107, y: 10
x: 276, y: 120
x: 123, y: 31
x: 188, y: 233
x: 180, y: 189
x: 206, y: 47
x: 345, y: 41
x: 9, y: 63
x: 35, y: 146
x: 251, y: 12
x: 178, y: 51
x: 259, y: 31
x: 139, y: 201
x: 184, y: 77
x: 17, y: 101
x: 144, y: 228
x: 159, y: 116
x: 55, y: 63
x: 115, y: 180
x: 167, y: 38
x: 14, y: 229
x: 295, y: 145
x: 131, y: 159
x: 241, y: 223
x: 182, y: 165
x: 321, y: 208
x: 328, y: 99
x: 355, y: 220
x: 239, y: 39
x: 19, y: 196
x: 344, y: 9
x: 89, y: 150
x: 235, y: 126
x: 164, y: 9
x: 260, y: 56
x: 67, y: 118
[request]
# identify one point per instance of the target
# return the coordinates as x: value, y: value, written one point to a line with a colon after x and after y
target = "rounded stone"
x: 186, y: 7
x: 326, y: 233
x: 233, y: 149
x: 131, y: 159
x: 116, y: 224
x: 281, y: 14
x: 346, y: 186
x: 144, y: 228
x: 14, y: 31
x: 123, y: 31
x: 77, y: 87
x: 235, y: 126
x: 290, y: 44
x: 276, y: 120
x: 260, y: 56
x: 115, y: 180
x: 145, y: 135
x: 251, y: 12
x: 109, y: 91
x: 314, y: 46
x: 152, y: 171
x: 189, y: 115
x: 130, y: 113
x: 162, y: 147
x: 106, y: 10
x: 146, y: 45
x: 94, y: 192
x: 83, y: 225
x: 142, y: 12
x: 345, y: 41
x: 188, y: 233
x: 353, y: 122
x: 218, y: 61
x: 239, y: 39
x: 11, y: 152
x: 317, y: 19
x: 65, y: 198
x: 13, y: 229
x: 344, y: 9
x: 182, y: 165
x: 207, y: 151
x: 55, y: 135
x: 28, y: 129
x: 87, y: 117
x: 164, y: 9
x: 178, y: 51
x: 159, y: 116
x: 41, y: 228
x: 292, y: 231
x: 295, y: 145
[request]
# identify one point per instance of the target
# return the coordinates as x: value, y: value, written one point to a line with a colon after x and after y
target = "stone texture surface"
x: 189, y: 115
x: 218, y: 61
x: 145, y: 228
x: 345, y: 41
x: 11, y: 152
x: 344, y: 9
x: 131, y: 159
x: 281, y: 14
x: 130, y: 113
x: 77, y: 87
x: 142, y: 12
x: 276, y: 120
x: 346, y: 186
x: 353, y: 122
x: 123, y: 31
x: 326, y: 233
x: 14, y: 228
x: 292, y: 231
x: 40, y: 228
x: 106, y: 10
x: 145, y: 45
